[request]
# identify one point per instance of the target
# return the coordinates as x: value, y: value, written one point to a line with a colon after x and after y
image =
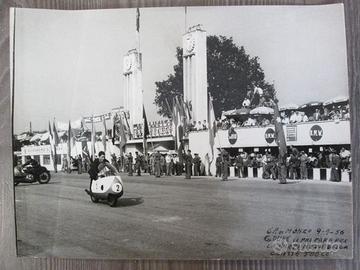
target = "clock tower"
x: 133, y: 94
x: 195, y: 72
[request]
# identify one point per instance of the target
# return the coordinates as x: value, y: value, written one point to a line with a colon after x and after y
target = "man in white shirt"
x: 292, y: 117
x: 167, y: 162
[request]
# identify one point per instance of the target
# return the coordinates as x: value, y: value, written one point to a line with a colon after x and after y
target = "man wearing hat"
x: 197, y: 163
x: 188, y: 164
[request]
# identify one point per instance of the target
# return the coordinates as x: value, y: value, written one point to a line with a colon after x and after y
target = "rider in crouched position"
x: 100, y: 167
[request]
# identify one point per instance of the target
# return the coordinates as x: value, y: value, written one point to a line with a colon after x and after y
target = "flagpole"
x: 185, y: 19
x: 138, y: 29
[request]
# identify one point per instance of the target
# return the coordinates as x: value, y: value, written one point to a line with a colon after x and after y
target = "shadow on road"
x: 130, y: 201
x: 37, y: 183
x: 292, y: 182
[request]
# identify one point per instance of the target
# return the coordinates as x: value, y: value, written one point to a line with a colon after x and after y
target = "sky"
x: 69, y: 64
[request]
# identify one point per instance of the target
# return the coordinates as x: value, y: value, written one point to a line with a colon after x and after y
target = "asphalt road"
x: 172, y: 217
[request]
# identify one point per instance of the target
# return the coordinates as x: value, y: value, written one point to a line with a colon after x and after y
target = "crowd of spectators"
x: 321, y: 113
x: 298, y: 162
x: 161, y: 128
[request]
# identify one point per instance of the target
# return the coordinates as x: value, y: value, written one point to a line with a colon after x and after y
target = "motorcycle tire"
x: 112, y: 200
x: 44, y: 178
x: 94, y: 199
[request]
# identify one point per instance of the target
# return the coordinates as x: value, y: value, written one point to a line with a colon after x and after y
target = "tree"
x: 231, y: 74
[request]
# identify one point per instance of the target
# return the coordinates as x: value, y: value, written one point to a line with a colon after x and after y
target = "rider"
x: 100, y: 167
x: 30, y: 161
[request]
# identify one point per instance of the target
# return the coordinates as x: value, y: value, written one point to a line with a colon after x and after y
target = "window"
x: 46, y: 159
x: 58, y: 159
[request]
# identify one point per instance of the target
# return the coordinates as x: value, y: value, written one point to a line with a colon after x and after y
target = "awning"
x: 311, y: 104
x: 289, y: 107
x: 339, y: 99
x: 262, y: 110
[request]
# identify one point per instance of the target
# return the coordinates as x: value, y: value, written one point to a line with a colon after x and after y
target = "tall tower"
x: 195, y: 72
x: 133, y: 94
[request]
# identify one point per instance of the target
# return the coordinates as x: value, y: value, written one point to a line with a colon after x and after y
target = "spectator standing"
x: 188, y: 164
x: 130, y: 164
x: 334, y: 165
x: 137, y: 164
x: 79, y: 161
x: 168, y: 162
x: 218, y: 165
x: 196, y: 162
x: 225, y: 165
x: 157, y: 164
x: 239, y: 163
x: 303, y: 165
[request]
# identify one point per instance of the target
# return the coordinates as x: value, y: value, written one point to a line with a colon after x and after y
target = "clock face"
x: 190, y: 43
x: 127, y: 63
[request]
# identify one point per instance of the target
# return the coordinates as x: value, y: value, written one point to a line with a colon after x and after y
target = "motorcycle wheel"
x: 94, y: 199
x: 112, y: 200
x: 44, y: 178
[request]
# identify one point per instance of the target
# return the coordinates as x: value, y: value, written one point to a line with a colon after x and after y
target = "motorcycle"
x: 109, y: 188
x: 33, y: 174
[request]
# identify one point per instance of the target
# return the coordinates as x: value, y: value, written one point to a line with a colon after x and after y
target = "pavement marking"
x: 167, y: 219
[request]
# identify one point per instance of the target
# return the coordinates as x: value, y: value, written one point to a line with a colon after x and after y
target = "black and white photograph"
x: 182, y: 133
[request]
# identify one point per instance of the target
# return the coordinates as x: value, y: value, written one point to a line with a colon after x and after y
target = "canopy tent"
x: 36, y: 137
x: 45, y: 136
x: 289, y: 107
x: 262, y: 111
x: 311, y: 104
x: 242, y: 111
x: 24, y: 137
x: 336, y: 100
x: 158, y: 147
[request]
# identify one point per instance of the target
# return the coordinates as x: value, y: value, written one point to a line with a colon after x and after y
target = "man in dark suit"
x: 188, y: 164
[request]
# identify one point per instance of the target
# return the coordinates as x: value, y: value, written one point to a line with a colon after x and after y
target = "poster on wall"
x: 170, y: 133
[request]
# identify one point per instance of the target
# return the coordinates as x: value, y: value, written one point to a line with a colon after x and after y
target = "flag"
x: 93, y: 138
x: 115, y: 133
x: 56, y: 135
x: 104, y: 134
x: 181, y: 118
x: 122, y: 134
x: 146, y: 131
x: 52, y: 147
x: 137, y: 20
x: 279, y: 132
x: 212, y: 126
x: 69, y: 135
x: 56, y: 141
x: 188, y: 111
x: 127, y: 125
